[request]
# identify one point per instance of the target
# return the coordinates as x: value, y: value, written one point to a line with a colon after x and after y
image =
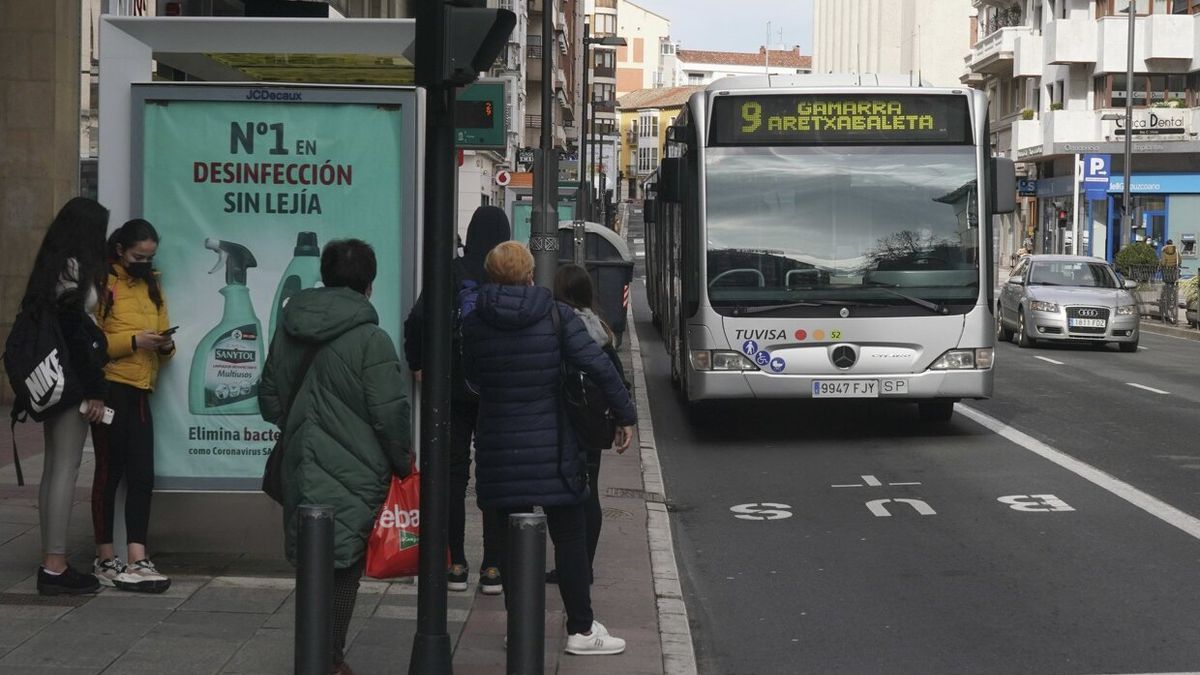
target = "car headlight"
x: 718, y: 359
x: 964, y: 359
x: 1126, y: 310
x: 1039, y: 306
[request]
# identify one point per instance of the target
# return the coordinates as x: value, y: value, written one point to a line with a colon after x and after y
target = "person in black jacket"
x: 526, y: 455
x: 68, y: 275
x: 488, y: 227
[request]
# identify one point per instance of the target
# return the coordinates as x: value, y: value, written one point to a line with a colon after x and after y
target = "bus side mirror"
x: 668, y: 180
x: 1004, y: 185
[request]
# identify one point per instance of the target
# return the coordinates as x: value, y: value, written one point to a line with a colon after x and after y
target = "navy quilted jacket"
x: 511, y: 352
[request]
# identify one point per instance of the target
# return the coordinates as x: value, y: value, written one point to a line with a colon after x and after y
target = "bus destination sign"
x: 840, y: 119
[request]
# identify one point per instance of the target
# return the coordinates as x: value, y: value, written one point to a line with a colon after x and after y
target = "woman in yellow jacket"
x: 134, y: 319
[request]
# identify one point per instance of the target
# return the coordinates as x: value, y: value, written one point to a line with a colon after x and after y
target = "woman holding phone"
x: 134, y: 319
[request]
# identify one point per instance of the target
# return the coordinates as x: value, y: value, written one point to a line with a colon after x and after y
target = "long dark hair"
x: 77, y: 232
x: 573, y: 285
x: 127, y: 236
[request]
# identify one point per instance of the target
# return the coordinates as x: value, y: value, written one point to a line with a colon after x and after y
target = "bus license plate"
x: 845, y: 388
x: 1087, y: 323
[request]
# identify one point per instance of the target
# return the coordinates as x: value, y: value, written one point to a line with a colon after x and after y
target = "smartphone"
x: 108, y: 413
x: 169, y: 332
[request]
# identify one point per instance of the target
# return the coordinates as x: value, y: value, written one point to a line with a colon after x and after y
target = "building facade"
x: 893, y: 37
x: 686, y: 67
x: 639, y: 63
x: 645, y: 116
x: 1056, y: 74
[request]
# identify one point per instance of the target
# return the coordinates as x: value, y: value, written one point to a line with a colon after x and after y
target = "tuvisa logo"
x: 235, y: 355
x: 760, y: 334
x: 271, y: 95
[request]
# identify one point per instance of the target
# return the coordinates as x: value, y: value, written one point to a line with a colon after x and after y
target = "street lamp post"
x: 589, y: 118
x: 1126, y: 203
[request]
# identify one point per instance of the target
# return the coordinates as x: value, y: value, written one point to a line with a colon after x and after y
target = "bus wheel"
x: 936, y: 410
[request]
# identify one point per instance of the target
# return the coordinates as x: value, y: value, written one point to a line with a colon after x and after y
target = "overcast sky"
x: 738, y: 26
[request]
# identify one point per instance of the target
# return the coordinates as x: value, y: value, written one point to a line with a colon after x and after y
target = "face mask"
x: 139, y: 270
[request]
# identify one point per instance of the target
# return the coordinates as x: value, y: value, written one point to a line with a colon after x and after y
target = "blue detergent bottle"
x: 304, y: 271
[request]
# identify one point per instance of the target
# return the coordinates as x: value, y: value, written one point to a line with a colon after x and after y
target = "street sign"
x: 479, y: 116
x: 503, y: 178
x: 1027, y: 187
x: 1096, y: 171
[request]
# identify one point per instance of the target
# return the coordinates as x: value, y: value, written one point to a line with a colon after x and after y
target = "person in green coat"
x: 348, y: 427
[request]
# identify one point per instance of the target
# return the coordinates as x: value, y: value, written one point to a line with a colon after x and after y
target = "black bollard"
x: 314, y: 590
x: 525, y: 588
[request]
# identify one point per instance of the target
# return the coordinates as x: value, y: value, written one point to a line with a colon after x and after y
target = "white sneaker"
x: 142, y: 577
x: 106, y: 571
x: 598, y: 643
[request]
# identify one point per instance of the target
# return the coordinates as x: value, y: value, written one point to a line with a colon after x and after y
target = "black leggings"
x: 568, y: 531
x: 462, y: 432
x: 592, y: 513
x: 124, y: 449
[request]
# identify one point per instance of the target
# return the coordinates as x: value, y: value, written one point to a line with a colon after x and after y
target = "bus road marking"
x: 878, y: 509
x: 1152, y: 505
x: 1150, y: 389
x: 870, y: 481
x: 1035, y: 503
x: 1057, y: 363
x: 762, y: 511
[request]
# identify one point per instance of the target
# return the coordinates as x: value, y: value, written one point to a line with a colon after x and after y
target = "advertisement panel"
x: 245, y: 186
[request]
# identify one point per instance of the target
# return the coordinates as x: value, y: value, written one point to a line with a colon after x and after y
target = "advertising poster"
x: 244, y: 194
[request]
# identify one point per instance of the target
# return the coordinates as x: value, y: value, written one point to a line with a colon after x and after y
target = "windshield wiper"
x: 742, y: 311
x: 935, y: 307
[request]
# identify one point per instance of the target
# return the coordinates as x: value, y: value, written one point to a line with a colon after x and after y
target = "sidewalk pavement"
x: 230, y: 613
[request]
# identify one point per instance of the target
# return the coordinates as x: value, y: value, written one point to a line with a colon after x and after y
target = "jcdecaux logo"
x: 272, y: 95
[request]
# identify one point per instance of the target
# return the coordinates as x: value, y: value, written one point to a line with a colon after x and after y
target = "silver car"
x: 1067, y: 298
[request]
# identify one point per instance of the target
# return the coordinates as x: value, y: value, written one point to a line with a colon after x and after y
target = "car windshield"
x: 812, y: 227
x: 1071, y: 273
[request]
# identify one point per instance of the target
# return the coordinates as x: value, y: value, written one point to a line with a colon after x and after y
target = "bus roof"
x: 815, y: 81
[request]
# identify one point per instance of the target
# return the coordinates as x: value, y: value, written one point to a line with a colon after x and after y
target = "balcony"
x: 994, y: 53
x: 1027, y: 55
x: 1070, y: 41
x: 533, y: 121
x: 1070, y: 126
x: 609, y: 106
x: 1169, y: 37
x: 1026, y: 136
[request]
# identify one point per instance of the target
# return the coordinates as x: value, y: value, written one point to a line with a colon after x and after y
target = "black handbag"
x: 272, y: 482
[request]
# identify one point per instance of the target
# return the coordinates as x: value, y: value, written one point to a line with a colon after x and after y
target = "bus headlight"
x: 717, y: 359
x: 964, y: 359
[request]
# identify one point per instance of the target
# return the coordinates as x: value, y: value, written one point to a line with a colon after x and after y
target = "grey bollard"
x: 525, y: 587
x: 314, y: 590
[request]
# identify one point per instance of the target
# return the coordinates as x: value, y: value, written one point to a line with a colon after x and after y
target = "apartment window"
x: 669, y: 48
x: 695, y: 78
x: 1148, y: 89
x: 604, y: 58
x: 604, y: 24
x: 1117, y: 7
x: 647, y: 159
x: 603, y: 93
x: 1185, y: 6
x: 648, y: 125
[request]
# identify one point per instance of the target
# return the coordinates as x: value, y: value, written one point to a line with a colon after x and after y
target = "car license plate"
x: 1087, y: 323
x: 845, y: 388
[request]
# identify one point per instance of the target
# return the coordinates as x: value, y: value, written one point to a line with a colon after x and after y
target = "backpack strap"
x: 16, y: 417
x: 306, y: 362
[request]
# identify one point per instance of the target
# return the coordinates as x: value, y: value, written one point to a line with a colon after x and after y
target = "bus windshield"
x: 890, y: 230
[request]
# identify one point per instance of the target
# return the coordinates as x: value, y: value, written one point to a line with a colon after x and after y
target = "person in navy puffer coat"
x: 511, y: 353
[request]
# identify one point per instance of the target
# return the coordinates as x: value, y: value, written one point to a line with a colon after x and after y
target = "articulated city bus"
x: 828, y: 236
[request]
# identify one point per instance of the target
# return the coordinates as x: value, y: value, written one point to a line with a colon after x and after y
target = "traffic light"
x: 472, y: 37
x: 1062, y: 217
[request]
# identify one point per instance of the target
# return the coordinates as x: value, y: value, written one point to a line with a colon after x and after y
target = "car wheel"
x: 1128, y: 347
x: 1002, y: 334
x: 1023, y: 339
x: 936, y: 410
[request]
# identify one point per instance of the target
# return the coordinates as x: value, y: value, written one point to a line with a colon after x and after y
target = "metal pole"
x: 592, y: 164
x: 543, y: 241
x: 525, y: 578
x: 1126, y: 200
x: 1075, y: 248
x: 431, y: 644
x: 314, y: 590
x: 581, y: 202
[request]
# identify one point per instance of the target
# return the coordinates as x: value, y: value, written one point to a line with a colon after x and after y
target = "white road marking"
x: 762, y: 511
x: 878, y: 509
x: 638, y: 240
x: 1143, y: 349
x: 842, y: 486
x: 1057, y: 363
x: 1142, y: 386
x: 871, y: 481
x: 1152, y: 505
x: 639, y: 254
x: 1035, y: 503
x: 903, y: 483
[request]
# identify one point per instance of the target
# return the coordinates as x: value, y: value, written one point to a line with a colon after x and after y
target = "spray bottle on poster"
x: 228, y: 362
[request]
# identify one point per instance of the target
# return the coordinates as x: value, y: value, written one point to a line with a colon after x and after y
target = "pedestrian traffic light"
x: 472, y: 38
x: 1062, y: 218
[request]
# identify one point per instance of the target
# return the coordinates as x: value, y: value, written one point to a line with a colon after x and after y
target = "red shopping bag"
x: 393, y: 549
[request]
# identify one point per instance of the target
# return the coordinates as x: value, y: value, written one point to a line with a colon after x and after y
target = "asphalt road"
x: 1042, y: 550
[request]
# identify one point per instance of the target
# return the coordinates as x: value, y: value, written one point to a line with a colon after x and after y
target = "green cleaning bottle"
x: 303, y: 272
x: 228, y: 362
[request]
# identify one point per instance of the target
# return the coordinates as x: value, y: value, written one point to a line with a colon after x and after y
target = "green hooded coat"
x: 348, y: 429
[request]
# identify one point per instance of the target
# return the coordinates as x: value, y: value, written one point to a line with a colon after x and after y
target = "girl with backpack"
x: 67, y: 278
x: 573, y: 287
x: 134, y: 319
